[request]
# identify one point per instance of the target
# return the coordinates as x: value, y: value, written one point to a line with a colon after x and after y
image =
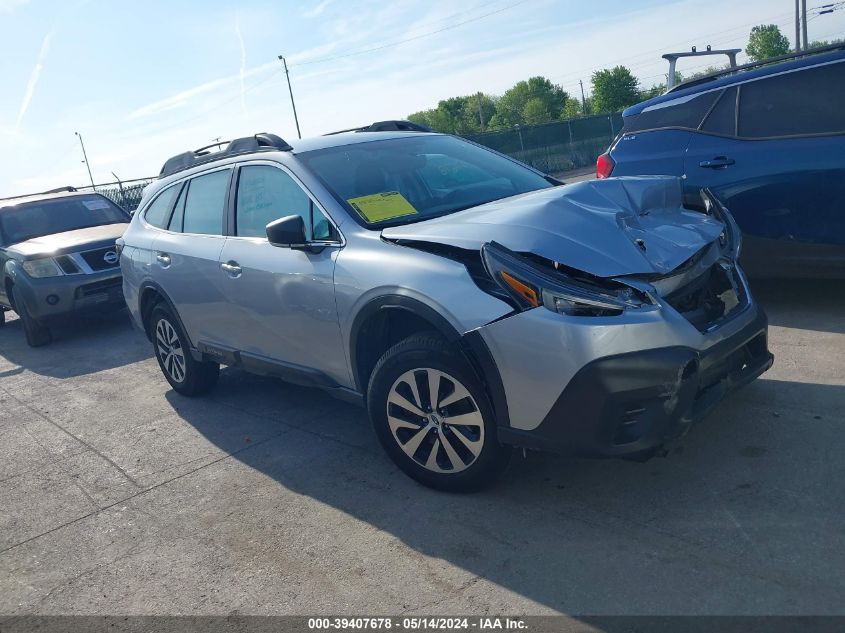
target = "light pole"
x: 85, y: 157
x: 290, y: 90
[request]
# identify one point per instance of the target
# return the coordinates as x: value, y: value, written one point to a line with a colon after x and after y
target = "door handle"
x: 163, y: 260
x: 232, y: 269
x: 719, y: 162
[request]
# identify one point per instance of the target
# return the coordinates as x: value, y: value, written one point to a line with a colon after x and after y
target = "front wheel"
x: 432, y: 416
x: 37, y: 334
x: 185, y: 374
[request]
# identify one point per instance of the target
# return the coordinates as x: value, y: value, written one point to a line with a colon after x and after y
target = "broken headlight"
x: 529, y: 286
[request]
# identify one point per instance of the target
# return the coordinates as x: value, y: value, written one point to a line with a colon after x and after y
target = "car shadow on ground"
x: 804, y: 304
x: 744, y: 500
x: 80, y: 346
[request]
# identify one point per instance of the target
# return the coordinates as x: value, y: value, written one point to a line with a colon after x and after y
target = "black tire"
x: 418, y: 358
x: 37, y: 334
x: 185, y: 374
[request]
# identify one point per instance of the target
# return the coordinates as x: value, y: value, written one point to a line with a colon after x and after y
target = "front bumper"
x: 632, y: 402
x: 56, y: 296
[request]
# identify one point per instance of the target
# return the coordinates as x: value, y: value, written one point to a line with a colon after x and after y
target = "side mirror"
x: 288, y: 231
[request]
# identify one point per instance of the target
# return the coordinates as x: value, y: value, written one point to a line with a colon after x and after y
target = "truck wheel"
x: 37, y: 334
x: 433, y: 417
x: 185, y: 374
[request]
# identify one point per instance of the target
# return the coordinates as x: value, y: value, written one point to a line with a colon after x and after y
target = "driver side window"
x: 266, y: 194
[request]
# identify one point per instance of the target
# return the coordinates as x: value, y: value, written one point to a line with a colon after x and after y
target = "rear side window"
x: 205, y: 203
x: 158, y: 212
x: 794, y: 104
x: 684, y: 112
x: 722, y: 119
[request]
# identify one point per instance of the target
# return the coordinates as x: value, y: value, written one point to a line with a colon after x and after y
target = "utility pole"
x: 480, y: 114
x: 85, y: 157
x: 583, y: 99
x: 797, y: 25
x: 804, y: 23
x: 290, y: 90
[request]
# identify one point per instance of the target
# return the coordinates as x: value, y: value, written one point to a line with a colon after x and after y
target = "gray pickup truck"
x: 57, y: 257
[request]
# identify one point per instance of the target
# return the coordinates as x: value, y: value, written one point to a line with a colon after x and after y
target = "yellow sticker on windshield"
x: 382, y: 206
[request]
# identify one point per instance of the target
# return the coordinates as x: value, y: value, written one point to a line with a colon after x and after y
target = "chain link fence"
x: 126, y: 193
x: 555, y: 147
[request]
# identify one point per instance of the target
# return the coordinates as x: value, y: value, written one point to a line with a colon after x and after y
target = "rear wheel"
x: 432, y: 416
x: 185, y: 374
x: 37, y: 334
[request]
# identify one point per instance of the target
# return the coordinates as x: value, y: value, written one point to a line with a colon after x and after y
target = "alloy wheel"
x: 170, y: 350
x: 435, y: 420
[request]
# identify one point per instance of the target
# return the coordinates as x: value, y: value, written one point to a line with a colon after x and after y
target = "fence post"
x: 612, y: 131
x: 571, y: 146
x: 521, y: 144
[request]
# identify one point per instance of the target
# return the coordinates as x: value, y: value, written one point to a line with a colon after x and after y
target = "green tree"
x: 822, y: 43
x: 572, y: 109
x: 614, y: 89
x: 510, y: 110
x: 766, y: 41
x: 535, y: 112
x: 457, y: 115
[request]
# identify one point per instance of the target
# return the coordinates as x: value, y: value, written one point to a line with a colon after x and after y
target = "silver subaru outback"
x: 471, y: 303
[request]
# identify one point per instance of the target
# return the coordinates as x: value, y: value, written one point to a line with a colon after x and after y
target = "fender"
x: 472, y: 345
x: 151, y: 285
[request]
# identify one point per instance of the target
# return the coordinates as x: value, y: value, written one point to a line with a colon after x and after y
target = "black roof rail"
x: 258, y: 142
x: 64, y: 189
x: 387, y: 126
x: 752, y: 65
x: 61, y: 189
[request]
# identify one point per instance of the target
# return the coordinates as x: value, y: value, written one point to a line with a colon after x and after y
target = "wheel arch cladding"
x: 150, y: 295
x: 385, y: 321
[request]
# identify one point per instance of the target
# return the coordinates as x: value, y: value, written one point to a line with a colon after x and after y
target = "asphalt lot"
x: 118, y: 496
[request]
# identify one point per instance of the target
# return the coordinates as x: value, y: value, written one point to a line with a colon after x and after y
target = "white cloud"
x: 7, y: 6
x: 316, y: 10
x: 181, y: 99
x: 33, y: 78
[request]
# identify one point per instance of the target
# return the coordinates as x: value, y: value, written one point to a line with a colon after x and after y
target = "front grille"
x: 101, y: 258
x: 709, y: 298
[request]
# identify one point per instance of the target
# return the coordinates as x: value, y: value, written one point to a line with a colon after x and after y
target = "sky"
x: 144, y: 80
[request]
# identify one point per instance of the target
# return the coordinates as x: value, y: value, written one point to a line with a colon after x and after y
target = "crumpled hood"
x: 70, y: 241
x: 593, y: 226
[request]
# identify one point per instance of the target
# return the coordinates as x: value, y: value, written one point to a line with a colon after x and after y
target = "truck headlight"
x: 45, y: 267
x: 528, y: 286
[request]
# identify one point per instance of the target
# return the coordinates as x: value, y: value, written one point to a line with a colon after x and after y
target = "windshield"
x: 57, y: 215
x: 403, y: 180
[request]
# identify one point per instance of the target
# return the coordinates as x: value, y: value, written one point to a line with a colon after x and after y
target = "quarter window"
x: 205, y: 203
x: 799, y: 103
x: 158, y: 212
x: 267, y: 193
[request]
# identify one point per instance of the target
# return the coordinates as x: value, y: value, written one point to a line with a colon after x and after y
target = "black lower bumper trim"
x: 632, y: 403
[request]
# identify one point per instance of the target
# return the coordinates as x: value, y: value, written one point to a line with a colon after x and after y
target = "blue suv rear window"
x: 683, y: 112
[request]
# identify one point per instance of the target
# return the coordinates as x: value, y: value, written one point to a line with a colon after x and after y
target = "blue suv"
x: 769, y: 141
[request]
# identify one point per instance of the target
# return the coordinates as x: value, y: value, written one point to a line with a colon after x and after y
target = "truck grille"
x: 709, y: 298
x: 101, y: 258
